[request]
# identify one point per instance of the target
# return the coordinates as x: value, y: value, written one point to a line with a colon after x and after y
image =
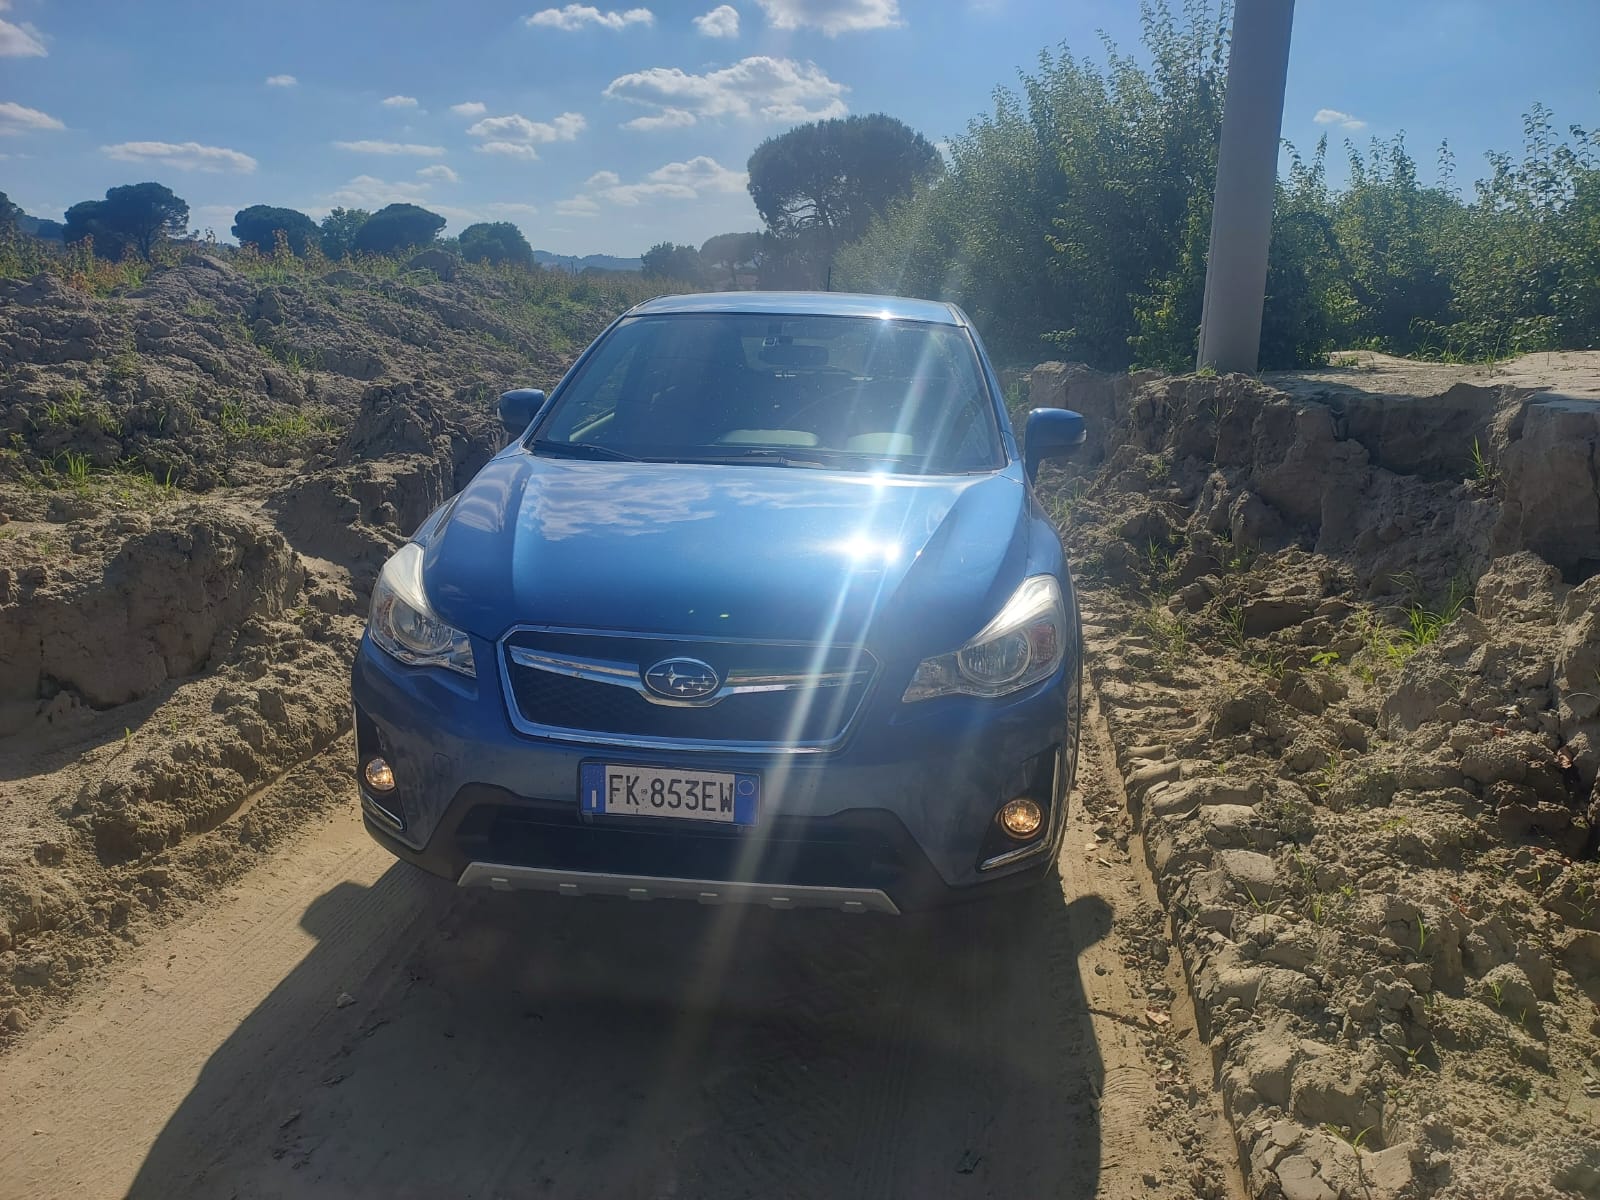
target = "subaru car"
x: 758, y: 605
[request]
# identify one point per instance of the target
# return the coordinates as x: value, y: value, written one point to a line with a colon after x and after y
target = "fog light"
x: 381, y: 779
x: 1021, y: 817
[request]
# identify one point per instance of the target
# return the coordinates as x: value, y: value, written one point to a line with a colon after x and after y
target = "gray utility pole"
x: 1247, y: 171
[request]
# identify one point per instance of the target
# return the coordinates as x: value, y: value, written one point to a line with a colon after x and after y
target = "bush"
x: 1076, y: 218
x: 395, y: 228
x: 260, y: 224
x: 339, y: 229
x: 136, y: 217
x: 495, y: 242
x: 1076, y: 214
x: 665, y: 260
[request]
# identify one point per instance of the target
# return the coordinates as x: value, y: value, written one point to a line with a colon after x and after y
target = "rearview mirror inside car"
x: 1051, y: 433
x: 518, y: 408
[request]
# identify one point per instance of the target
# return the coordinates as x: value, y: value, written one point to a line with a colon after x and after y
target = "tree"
x: 665, y: 260
x: 830, y: 179
x: 144, y: 215
x: 495, y: 242
x: 10, y: 216
x: 339, y: 229
x: 85, y: 220
x: 397, y: 227
x: 733, y: 253
x: 260, y: 224
x: 136, y: 217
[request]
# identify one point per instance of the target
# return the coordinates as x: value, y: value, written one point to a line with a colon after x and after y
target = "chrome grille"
x: 590, y: 687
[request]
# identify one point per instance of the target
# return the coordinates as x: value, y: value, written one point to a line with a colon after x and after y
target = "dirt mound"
x: 135, y: 603
x: 1346, y: 644
x: 199, y: 480
x: 207, y: 369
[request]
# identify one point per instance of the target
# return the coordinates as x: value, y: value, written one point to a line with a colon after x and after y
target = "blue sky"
x: 608, y: 128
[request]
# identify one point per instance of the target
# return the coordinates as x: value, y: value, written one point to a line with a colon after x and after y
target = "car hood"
x: 773, y: 553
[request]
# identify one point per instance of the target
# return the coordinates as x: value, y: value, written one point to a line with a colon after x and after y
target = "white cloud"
x: 575, y: 16
x: 399, y: 102
x: 470, y: 108
x: 509, y: 208
x: 667, y: 118
x: 509, y: 150
x: 369, y: 192
x: 1332, y: 116
x: 833, y: 17
x: 517, y: 128
x: 284, y: 81
x: 578, y: 206
x: 777, y: 89
x: 182, y: 156
x: 515, y: 136
x: 674, y: 181
x: 15, y: 118
x: 20, y: 41
x: 439, y: 173
x: 380, y: 147
x: 721, y: 22
x: 703, y: 174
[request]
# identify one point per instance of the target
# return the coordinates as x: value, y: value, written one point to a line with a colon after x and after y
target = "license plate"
x: 724, y: 796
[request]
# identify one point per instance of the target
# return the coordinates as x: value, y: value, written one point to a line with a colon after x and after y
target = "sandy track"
x: 532, y: 1046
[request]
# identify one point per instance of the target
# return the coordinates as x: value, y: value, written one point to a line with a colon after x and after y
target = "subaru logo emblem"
x: 682, y: 679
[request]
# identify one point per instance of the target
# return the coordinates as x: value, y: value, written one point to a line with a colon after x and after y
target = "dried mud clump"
x: 1348, y: 649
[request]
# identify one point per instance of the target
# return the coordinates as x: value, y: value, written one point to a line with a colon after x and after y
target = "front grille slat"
x: 605, y: 705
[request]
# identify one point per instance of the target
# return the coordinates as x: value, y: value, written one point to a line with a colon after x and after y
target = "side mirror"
x: 519, y: 407
x: 1051, y: 433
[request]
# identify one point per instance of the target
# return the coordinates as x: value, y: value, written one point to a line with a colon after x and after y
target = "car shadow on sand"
x: 522, y: 1045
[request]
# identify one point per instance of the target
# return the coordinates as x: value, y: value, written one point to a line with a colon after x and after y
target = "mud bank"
x: 1346, y: 639
x: 199, y: 480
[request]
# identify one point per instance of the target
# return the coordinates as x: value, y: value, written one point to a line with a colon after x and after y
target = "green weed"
x: 1233, y: 631
x: 1062, y: 504
x: 234, y: 418
x: 1424, y: 625
x: 76, y: 465
x: 124, y: 366
x: 1482, y: 469
x: 1341, y: 1132
x: 1169, y: 633
x: 1328, y: 774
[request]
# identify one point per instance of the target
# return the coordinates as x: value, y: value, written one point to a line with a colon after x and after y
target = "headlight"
x: 403, y: 624
x: 1022, y: 645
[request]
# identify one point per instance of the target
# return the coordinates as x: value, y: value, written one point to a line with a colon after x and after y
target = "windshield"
x: 857, y: 393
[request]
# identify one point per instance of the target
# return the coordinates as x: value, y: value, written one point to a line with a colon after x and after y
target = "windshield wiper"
x: 760, y: 458
x: 579, y: 450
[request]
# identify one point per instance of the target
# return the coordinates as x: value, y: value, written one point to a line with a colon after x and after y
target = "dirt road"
x: 340, y: 1025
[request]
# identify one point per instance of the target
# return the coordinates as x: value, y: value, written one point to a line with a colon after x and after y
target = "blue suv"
x: 758, y: 606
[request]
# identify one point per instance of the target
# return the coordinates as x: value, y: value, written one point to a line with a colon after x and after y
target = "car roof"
x: 807, y: 304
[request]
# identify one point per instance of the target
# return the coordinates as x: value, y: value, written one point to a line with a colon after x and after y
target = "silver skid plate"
x: 503, y: 878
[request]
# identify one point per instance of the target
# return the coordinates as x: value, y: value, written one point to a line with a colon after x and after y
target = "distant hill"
x: 41, y: 227
x: 597, y: 262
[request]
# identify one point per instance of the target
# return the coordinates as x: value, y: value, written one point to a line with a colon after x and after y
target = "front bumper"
x: 903, y: 810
